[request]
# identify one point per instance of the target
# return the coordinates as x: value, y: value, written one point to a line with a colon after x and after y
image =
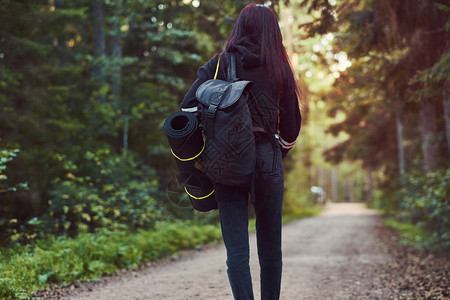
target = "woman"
x: 261, y: 58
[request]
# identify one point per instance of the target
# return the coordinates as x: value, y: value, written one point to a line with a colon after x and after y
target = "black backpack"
x: 229, y: 155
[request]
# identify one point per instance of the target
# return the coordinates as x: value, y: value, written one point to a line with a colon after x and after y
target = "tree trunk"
x: 83, y: 30
x: 428, y: 128
x: 351, y: 189
x: 446, y: 100
x: 334, y: 184
x: 369, y: 186
x: 401, y: 148
x: 99, y: 27
x: 116, y: 53
x: 99, y: 43
x: 116, y: 75
x: 58, y: 4
x: 62, y: 48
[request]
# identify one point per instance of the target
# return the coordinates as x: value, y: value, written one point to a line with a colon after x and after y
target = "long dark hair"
x: 260, y: 24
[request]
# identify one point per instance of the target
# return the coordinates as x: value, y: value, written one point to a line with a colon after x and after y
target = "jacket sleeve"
x: 289, y: 120
x: 205, y: 73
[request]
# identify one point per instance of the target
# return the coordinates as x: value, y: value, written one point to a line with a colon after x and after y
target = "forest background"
x: 85, y: 86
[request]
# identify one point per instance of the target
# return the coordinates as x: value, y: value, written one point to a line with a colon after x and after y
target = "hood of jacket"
x: 249, y: 53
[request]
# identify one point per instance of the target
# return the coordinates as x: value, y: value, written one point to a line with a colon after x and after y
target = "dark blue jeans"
x: 268, y: 189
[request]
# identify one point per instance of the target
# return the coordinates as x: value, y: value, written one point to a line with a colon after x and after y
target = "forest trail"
x: 333, y: 256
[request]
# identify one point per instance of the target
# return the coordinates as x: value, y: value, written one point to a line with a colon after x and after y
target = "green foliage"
x: 412, y: 235
x: 107, y: 191
x: 57, y: 107
x: 431, y: 79
x: 10, y: 227
x: 301, y: 213
x: 297, y: 196
x: 62, y: 260
x: 16, y: 232
x: 426, y: 204
x: 5, y: 157
x: 386, y: 200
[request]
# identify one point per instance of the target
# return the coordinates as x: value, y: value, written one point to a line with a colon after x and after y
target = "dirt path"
x: 333, y: 256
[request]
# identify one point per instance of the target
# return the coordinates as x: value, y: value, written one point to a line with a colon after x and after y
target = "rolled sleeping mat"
x: 187, y: 144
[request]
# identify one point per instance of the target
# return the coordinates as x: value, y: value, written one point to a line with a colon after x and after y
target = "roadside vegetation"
x: 421, y: 212
x: 57, y: 261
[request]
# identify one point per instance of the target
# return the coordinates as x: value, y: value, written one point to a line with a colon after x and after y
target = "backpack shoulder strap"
x: 217, y: 68
x: 231, y: 75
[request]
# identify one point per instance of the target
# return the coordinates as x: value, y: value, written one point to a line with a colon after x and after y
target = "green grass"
x: 59, y: 261
x: 302, y: 213
x: 411, y: 234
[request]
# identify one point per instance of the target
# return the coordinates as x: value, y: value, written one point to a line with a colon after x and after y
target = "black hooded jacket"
x: 283, y: 114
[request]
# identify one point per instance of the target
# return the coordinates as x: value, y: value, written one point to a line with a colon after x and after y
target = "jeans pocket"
x: 268, y: 159
x: 268, y: 174
x: 265, y: 162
